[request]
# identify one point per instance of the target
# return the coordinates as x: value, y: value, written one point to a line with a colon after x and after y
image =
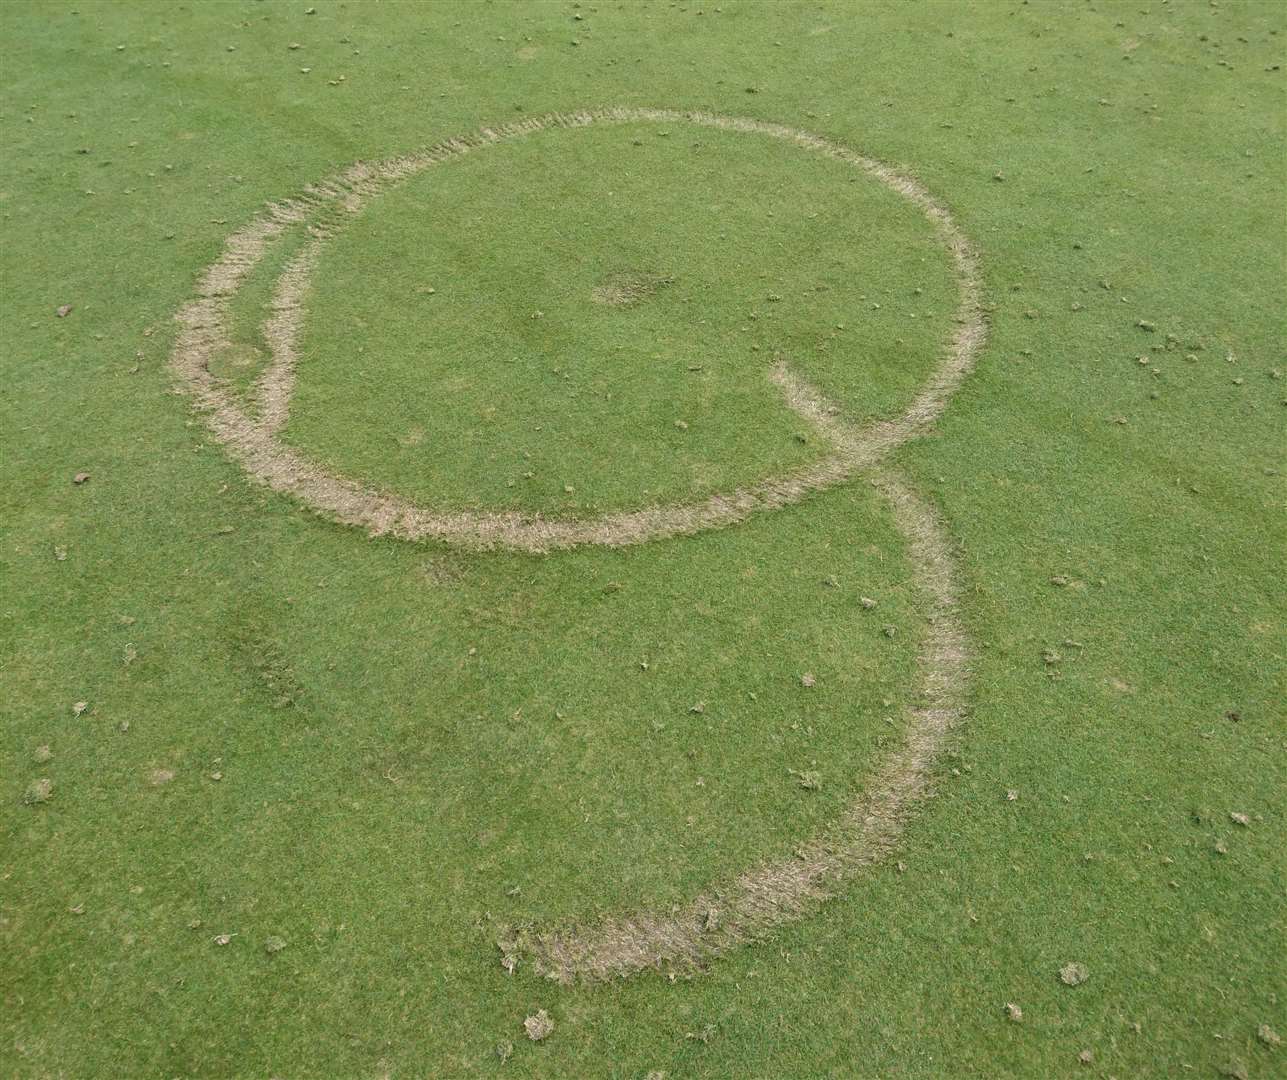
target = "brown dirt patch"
x: 627, y: 289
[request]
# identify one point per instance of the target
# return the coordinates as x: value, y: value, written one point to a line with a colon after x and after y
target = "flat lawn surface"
x: 224, y: 715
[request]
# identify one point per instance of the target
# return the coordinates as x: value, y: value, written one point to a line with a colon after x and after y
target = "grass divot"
x: 627, y: 289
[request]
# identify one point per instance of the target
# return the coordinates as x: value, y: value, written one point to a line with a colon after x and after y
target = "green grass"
x: 385, y: 790
x: 502, y: 386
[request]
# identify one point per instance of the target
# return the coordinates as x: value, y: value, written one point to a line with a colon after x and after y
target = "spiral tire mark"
x: 762, y: 898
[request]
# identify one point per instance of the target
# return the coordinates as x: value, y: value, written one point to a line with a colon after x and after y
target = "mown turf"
x: 498, y: 387
x: 384, y: 792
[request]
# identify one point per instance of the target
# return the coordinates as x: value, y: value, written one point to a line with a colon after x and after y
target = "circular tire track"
x: 754, y: 903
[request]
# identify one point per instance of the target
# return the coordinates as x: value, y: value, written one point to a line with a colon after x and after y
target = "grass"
x: 510, y: 371
x: 388, y: 798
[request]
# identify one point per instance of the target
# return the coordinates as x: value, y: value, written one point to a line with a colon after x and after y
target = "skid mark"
x: 751, y: 905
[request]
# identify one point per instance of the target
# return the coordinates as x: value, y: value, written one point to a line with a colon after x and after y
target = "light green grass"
x: 384, y: 790
x: 509, y: 383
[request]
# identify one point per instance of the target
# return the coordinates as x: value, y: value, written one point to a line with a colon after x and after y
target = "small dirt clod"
x: 39, y: 791
x: 1073, y: 974
x: 809, y: 779
x: 538, y: 1027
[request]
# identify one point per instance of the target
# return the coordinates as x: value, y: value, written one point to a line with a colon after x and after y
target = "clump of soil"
x: 38, y: 791
x: 538, y: 1027
x: 1073, y: 974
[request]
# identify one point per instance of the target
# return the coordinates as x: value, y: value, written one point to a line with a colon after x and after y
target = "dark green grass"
x: 384, y: 791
